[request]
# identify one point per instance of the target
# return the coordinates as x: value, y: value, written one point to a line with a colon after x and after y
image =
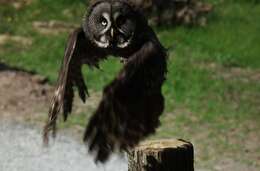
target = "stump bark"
x: 162, y: 155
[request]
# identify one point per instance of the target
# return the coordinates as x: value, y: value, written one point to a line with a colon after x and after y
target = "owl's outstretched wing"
x: 70, y: 75
x: 131, y: 105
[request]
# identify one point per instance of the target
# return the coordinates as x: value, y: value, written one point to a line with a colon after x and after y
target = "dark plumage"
x: 132, y: 103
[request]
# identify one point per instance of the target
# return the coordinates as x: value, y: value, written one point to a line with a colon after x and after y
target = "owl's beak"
x: 112, y: 33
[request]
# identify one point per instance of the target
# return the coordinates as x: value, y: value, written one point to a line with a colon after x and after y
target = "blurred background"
x: 212, y: 89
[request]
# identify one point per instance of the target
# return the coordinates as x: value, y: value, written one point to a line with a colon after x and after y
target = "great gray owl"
x: 132, y: 103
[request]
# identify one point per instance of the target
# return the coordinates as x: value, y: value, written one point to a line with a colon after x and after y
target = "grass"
x: 197, y: 98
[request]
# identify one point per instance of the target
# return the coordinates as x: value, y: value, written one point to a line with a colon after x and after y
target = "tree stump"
x: 162, y: 155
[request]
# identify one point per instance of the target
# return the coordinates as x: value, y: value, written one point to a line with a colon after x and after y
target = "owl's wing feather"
x: 131, y: 103
x: 70, y: 75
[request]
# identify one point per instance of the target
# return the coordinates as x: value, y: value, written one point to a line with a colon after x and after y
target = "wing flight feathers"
x: 70, y: 75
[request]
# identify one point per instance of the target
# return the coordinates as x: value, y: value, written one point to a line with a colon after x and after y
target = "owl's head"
x: 111, y: 23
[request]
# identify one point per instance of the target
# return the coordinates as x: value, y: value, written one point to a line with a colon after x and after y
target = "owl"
x: 132, y: 103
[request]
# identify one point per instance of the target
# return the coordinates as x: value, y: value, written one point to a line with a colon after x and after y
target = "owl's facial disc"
x: 125, y: 27
x: 111, y: 25
x: 103, y: 40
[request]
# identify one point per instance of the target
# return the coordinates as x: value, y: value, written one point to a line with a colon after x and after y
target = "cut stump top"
x: 162, y: 155
x: 159, y: 145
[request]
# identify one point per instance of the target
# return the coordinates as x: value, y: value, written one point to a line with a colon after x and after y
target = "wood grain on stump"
x: 162, y: 155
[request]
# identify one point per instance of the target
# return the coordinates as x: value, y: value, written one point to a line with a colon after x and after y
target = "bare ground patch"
x: 27, y: 96
x: 16, y: 3
x: 231, y: 73
x: 53, y: 27
x: 6, y: 38
x: 23, y: 95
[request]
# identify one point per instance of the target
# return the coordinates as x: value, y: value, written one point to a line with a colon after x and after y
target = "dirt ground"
x: 24, y: 95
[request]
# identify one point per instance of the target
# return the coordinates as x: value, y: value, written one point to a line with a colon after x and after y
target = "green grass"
x: 231, y: 39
